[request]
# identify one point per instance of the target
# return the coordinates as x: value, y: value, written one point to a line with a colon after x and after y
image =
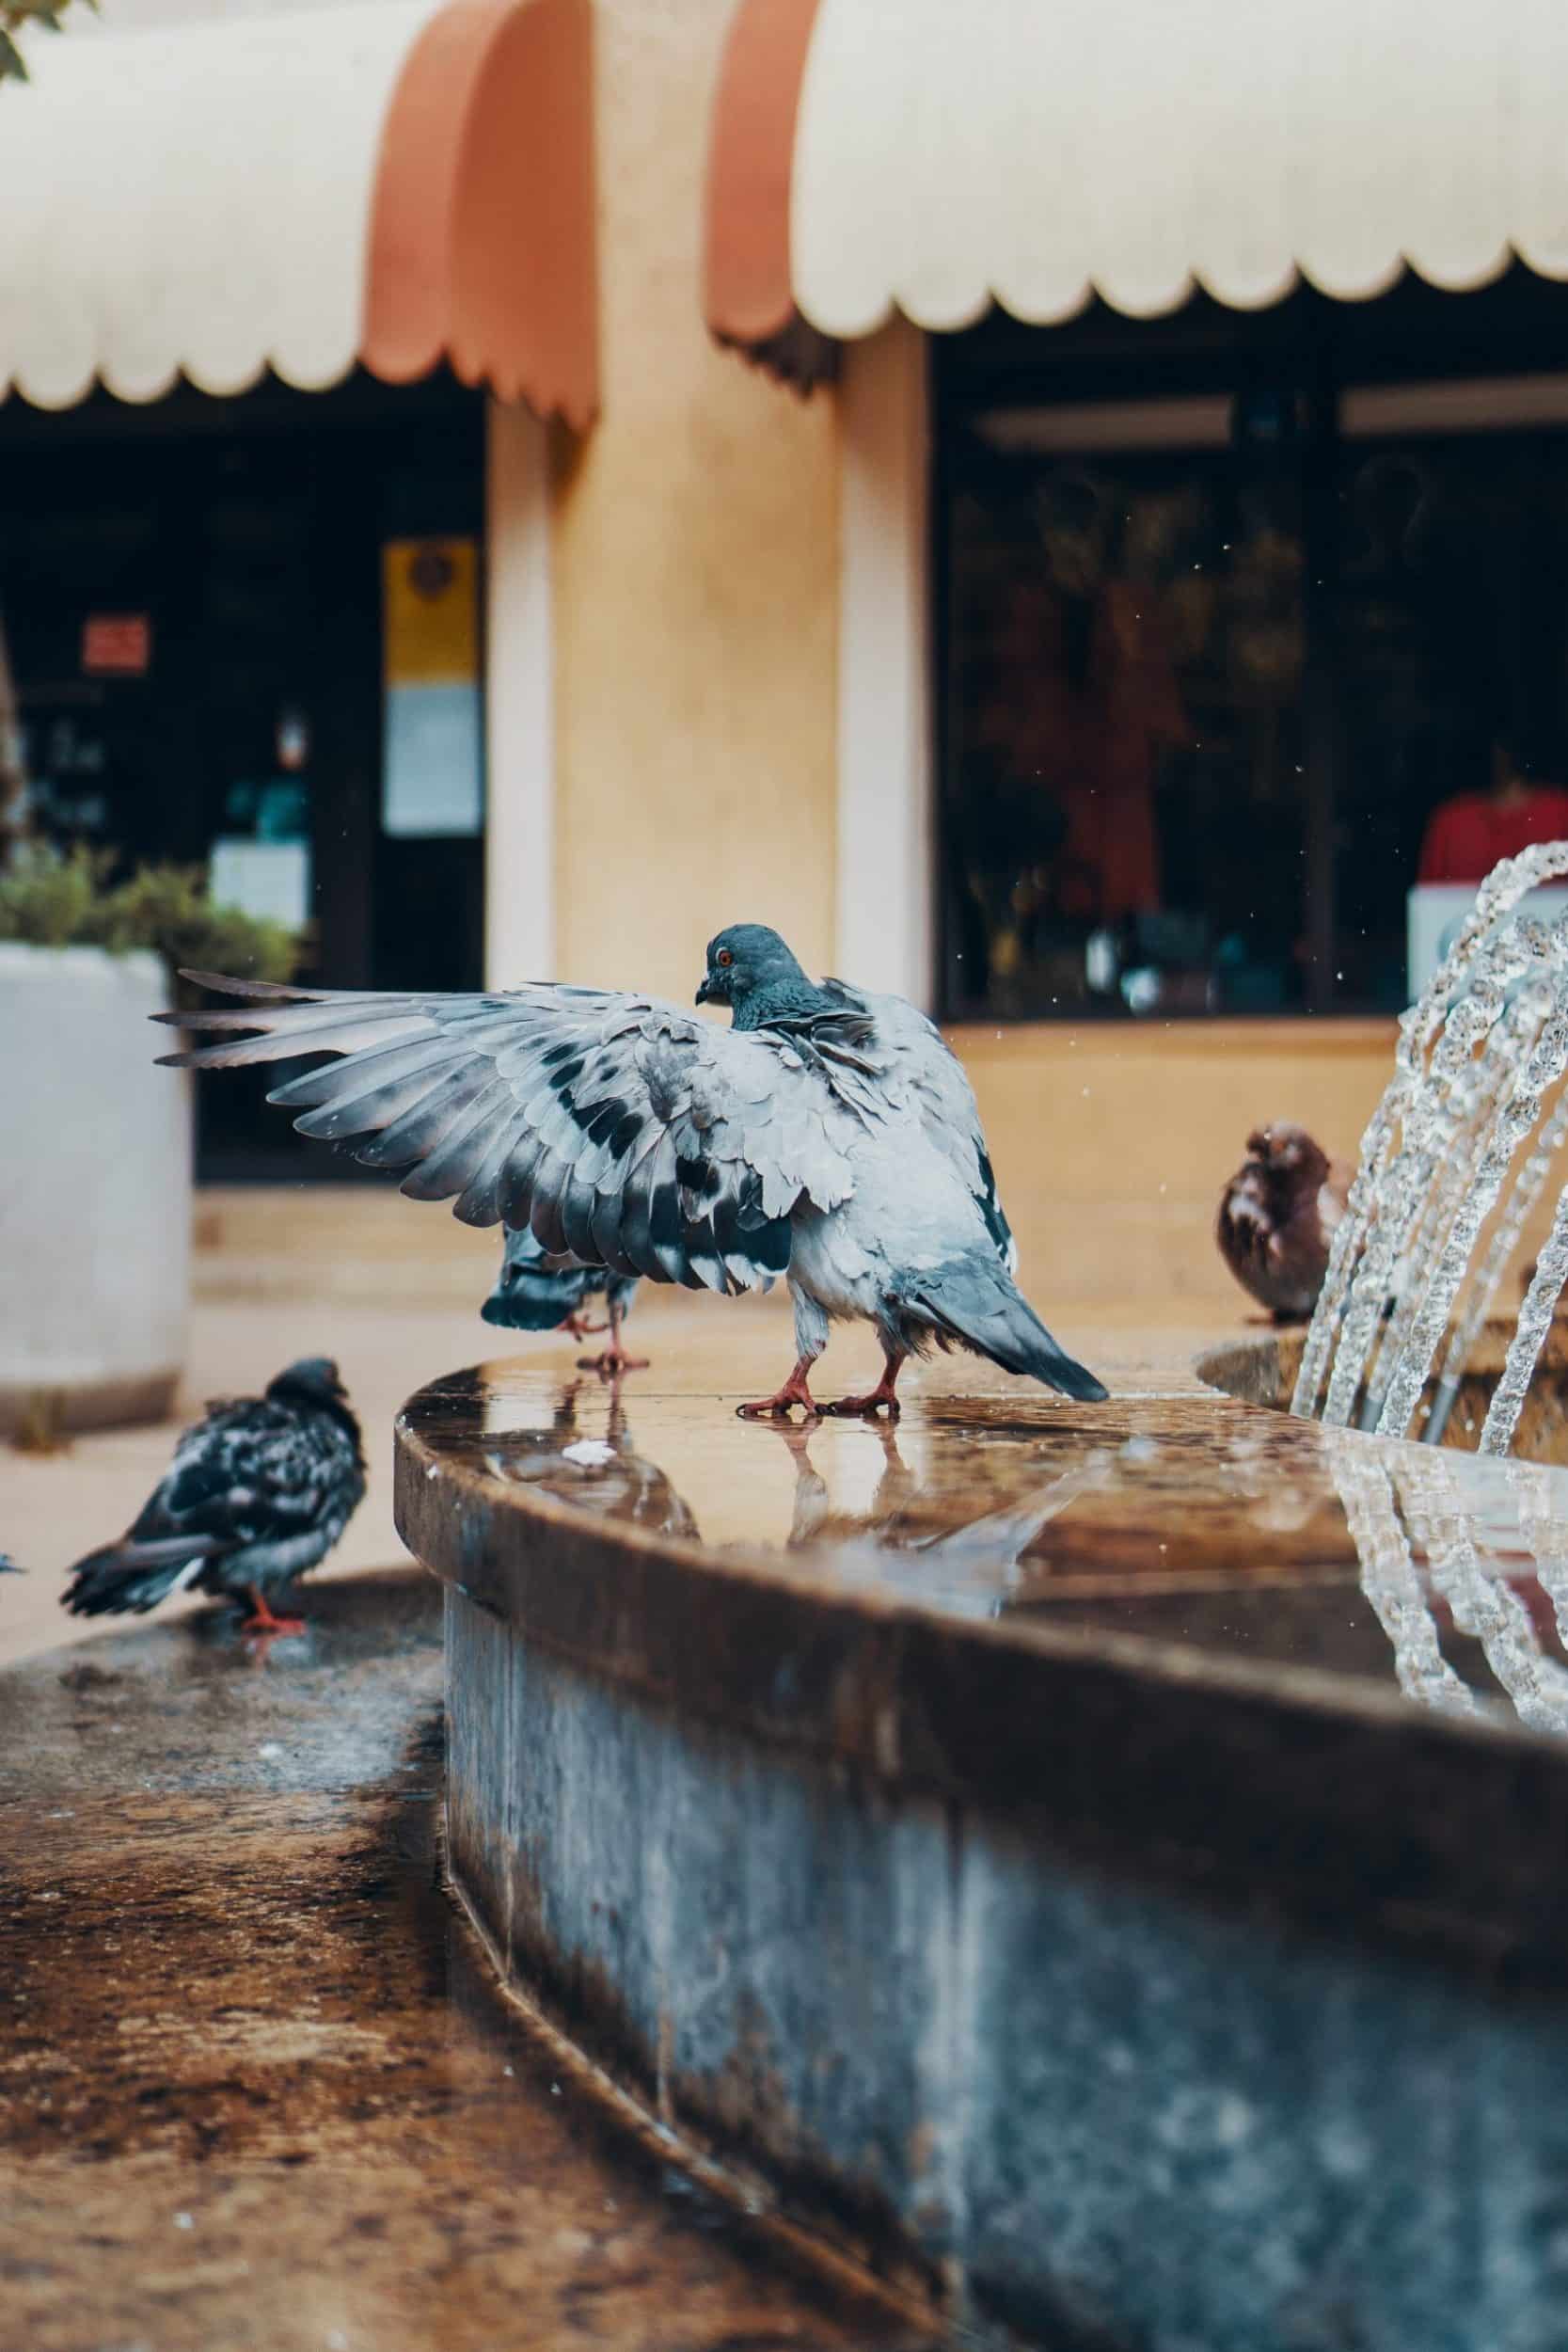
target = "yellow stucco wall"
x: 694, y: 574
x: 1113, y: 1141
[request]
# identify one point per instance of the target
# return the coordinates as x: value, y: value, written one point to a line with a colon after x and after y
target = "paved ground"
x: 258, y: 2091
x: 54, y: 1508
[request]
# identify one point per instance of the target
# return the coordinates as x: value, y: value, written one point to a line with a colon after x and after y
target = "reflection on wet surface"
x: 1232, y: 1532
x: 258, y: 2091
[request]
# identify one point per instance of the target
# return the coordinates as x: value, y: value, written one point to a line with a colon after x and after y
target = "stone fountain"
x: 1093, y: 1868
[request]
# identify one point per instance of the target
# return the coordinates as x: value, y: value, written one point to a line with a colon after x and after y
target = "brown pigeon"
x: 1277, y: 1217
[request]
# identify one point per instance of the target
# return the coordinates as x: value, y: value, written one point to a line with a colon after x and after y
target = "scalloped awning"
x: 383, y: 184
x: 873, y: 155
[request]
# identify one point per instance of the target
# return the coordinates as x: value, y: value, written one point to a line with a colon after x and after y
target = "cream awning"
x: 383, y: 183
x: 919, y: 155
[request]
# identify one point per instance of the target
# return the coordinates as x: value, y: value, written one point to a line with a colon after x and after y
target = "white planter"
x: 95, y: 1189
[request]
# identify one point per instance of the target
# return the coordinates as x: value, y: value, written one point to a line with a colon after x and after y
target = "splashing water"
x: 1484, y: 1605
x: 1391, y: 1583
x: 1465, y: 1139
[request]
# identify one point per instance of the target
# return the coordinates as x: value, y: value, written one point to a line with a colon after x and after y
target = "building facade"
x: 1134, y: 558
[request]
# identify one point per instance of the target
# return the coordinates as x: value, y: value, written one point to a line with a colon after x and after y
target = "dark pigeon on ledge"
x: 1277, y: 1217
x: 535, y: 1292
x: 259, y: 1491
x: 828, y: 1135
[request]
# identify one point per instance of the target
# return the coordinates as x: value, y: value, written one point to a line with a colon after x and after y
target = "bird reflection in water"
x: 605, y: 1476
x: 974, y: 1569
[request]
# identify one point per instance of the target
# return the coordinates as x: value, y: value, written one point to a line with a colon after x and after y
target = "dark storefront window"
x: 1242, y: 632
x: 195, y: 599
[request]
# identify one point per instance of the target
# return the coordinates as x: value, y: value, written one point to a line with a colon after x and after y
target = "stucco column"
x: 885, y: 824
x: 695, y: 573
x: 519, y: 690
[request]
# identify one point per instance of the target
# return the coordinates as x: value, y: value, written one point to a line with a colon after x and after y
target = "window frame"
x: 1414, y: 363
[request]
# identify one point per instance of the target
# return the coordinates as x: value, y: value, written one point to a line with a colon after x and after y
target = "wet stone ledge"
x: 1062, y: 1856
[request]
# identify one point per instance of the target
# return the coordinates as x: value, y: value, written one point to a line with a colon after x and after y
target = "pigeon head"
x: 312, y: 1381
x: 313, y: 1384
x: 1288, y: 1151
x: 750, y: 970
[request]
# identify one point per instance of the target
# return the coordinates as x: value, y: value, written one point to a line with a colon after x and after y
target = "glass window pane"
x: 1124, y: 794
x: 1450, y: 646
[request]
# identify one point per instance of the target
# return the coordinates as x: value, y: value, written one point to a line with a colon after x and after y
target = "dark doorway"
x: 194, y: 597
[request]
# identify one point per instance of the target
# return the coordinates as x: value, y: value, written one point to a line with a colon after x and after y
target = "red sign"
x: 117, y: 644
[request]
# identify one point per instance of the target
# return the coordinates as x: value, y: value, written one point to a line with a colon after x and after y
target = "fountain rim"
x: 1136, y: 1751
x: 623, y: 1549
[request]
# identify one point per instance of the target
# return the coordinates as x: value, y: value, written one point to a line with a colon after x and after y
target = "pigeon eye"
x: 723, y: 958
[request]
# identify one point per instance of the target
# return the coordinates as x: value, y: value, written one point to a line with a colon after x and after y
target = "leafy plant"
x: 53, y: 902
x: 14, y: 15
x: 50, y: 900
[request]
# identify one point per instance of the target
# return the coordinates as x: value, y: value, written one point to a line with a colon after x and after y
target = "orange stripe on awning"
x: 749, y: 293
x: 482, y: 248
x: 406, y: 184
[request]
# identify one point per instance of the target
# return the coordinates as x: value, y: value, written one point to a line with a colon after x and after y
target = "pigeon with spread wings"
x: 827, y: 1134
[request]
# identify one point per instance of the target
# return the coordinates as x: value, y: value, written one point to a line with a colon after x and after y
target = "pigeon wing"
x: 932, y: 1083
x: 239, y: 1473
x: 622, y: 1132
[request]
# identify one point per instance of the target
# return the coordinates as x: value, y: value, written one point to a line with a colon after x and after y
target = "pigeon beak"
x: 701, y: 995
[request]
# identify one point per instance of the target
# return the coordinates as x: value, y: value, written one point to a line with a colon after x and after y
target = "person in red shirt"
x: 1466, y: 836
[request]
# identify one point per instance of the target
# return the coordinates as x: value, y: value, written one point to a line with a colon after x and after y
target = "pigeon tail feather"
x: 135, y: 1576
x: 533, y: 1299
x: 974, y: 1302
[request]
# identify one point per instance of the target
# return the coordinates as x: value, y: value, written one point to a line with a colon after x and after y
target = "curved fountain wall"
x: 1107, y: 1884
x: 1095, y: 1882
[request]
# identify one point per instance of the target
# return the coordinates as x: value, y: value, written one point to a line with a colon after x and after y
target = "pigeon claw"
x: 777, y: 1406
x: 865, y: 1407
x: 885, y: 1393
x: 579, y: 1327
x: 261, y: 1624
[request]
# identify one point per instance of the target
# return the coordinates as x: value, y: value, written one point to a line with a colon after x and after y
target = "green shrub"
x: 50, y: 900
x: 54, y: 901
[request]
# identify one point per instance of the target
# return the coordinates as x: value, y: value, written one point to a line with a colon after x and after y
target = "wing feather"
x: 416, y: 1134
x: 456, y: 1158
x: 617, y: 1130
x: 934, y: 1085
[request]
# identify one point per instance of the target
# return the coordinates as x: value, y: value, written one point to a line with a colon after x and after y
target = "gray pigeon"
x: 259, y: 1491
x: 828, y: 1133
x: 535, y: 1292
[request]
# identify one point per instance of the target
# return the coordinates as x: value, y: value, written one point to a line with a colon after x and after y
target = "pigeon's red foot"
x: 795, y: 1392
x: 611, y: 1362
x: 865, y: 1407
x: 884, y: 1397
x: 579, y: 1327
x: 263, y: 1622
